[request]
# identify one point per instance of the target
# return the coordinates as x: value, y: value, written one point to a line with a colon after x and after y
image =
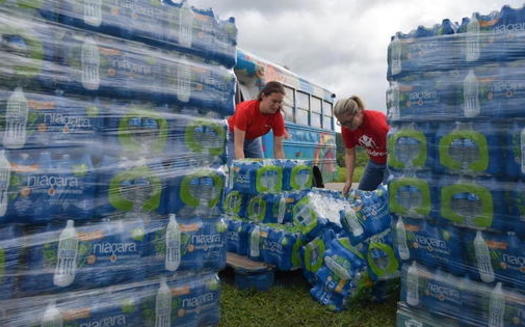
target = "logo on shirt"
x: 367, y: 141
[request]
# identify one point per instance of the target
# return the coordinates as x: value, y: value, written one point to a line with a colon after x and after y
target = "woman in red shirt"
x: 368, y: 129
x: 254, y: 118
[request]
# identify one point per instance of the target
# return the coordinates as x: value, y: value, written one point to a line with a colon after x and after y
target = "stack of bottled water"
x: 259, y: 202
x: 112, y: 162
x: 359, y: 259
x: 456, y: 148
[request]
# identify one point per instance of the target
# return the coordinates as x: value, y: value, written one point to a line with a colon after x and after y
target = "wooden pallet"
x: 249, y: 273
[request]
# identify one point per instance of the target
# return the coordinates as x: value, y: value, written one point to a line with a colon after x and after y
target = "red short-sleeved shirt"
x: 248, y: 118
x: 371, y: 135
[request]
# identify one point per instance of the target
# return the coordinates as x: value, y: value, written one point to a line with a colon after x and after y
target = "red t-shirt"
x: 248, y: 118
x: 371, y: 135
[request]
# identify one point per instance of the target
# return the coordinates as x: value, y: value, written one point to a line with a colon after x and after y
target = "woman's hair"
x: 349, y: 105
x: 271, y: 87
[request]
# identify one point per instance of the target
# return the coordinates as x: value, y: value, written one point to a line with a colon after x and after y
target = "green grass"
x: 341, y: 174
x: 288, y: 303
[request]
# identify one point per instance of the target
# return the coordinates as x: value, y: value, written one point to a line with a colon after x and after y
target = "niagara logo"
x: 510, y: 28
x: 70, y: 122
x: 118, y: 320
x: 508, y: 86
x: 418, y: 97
x: 114, y: 248
x: 200, y: 300
x: 51, y: 181
x: 431, y: 243
x: 441, y: 292
x: 514, y: 260
x: 131, y: 67
x: 272, y: 246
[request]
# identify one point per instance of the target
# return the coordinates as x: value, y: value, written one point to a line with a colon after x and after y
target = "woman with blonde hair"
x: 368, y: 129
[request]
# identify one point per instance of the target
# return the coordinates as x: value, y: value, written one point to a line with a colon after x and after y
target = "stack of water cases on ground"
x: 456, y: 105
x: 343, y: 245
x: 111, y: 162
x: 258, y: 202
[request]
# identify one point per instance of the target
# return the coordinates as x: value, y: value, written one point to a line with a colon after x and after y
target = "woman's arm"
x: 278, y: 147
x: 238, y: 143
x: 350, y: 165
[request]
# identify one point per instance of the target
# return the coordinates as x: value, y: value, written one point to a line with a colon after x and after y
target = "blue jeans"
x: 252, y: 148
x: 373, y: 175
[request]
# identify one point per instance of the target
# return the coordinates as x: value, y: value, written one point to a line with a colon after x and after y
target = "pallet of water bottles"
x: 167, y: 301
x: 50, y: 57
x: 459, y: 70
x: 65, y: 257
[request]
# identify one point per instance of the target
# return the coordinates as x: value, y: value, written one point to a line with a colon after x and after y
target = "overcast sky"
x: 338, y: 44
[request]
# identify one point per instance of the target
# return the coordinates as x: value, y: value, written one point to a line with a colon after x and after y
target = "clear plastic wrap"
x: 167, y: 301
x: 456, y: 158
x: 454, y: 71
x: 112, y: 162
x: 463, y: 301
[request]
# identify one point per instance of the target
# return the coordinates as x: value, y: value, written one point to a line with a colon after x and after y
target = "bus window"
x: 328, y: 115
x: 316, y: 111
x: 289, y: 103
x: 303, y: 106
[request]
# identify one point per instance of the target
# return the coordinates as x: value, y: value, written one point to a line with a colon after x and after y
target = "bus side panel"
x: 308, y: 144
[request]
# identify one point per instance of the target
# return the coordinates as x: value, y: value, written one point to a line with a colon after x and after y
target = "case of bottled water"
x: 381, y: 257
x: 256, y: 176
x: 179, y: 246
x: 197, y: 193
x: 367, y: 215
x: 410, y: 146
x: 68, y: 257
x: 312, y: 254
x: 29, y: 52
x: 411, y: 194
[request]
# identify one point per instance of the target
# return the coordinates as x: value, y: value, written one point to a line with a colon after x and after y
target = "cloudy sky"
x: 339, y: 44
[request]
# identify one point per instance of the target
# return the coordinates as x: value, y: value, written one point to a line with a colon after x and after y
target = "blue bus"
x: 308, y: 111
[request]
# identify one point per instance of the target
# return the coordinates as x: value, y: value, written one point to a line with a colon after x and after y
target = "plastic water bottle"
x: 185, y: 25
x: 483, y: 259
x: 413, y: 285
x: 52, y: 317
x: 497, y: 307
x: 16, y: 115
x: 163, y: 302
x: 173, y: 245
x: 351, y: 221
x: 471, y: 103
x: 395, y: 55
x: 66, y: 267
x: 401, y: 238
x: 5, y: 178
x: 392, y: 100
x: 255, y: 237
x: 184, y: 80
x: 472, y: 43
x: 90, y: 61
